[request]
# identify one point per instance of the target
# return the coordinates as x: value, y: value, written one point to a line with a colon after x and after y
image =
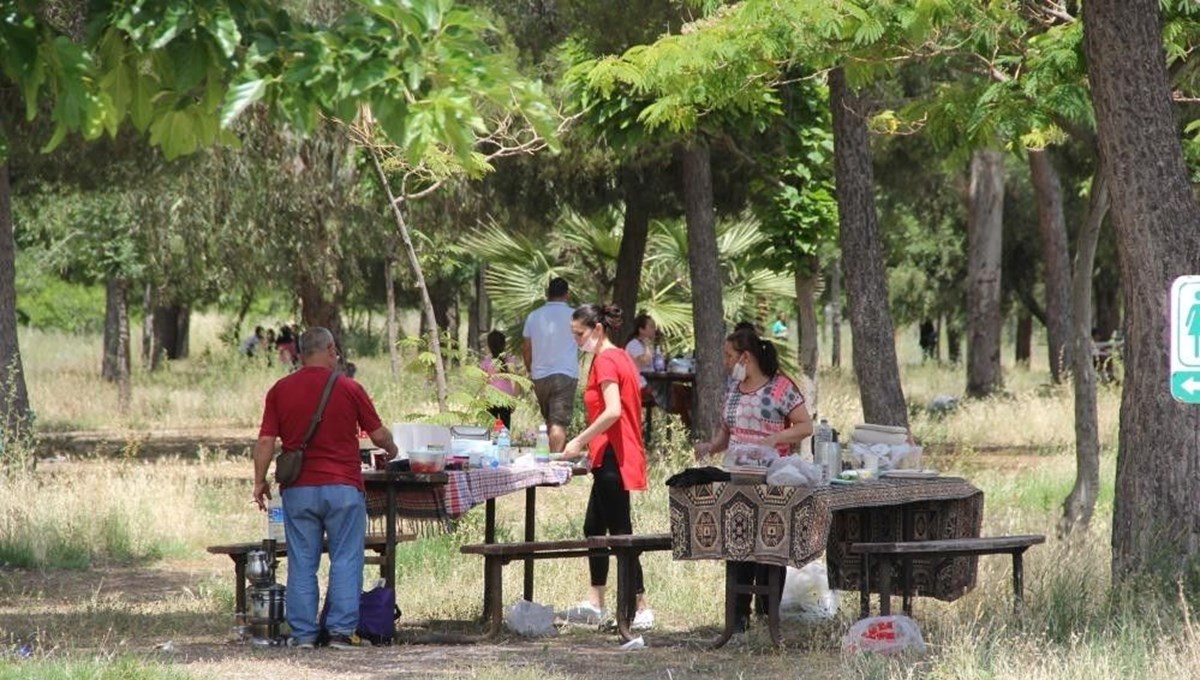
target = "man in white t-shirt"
x: 552, y: 359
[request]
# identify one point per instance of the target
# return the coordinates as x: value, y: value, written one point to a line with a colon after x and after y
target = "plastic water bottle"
x: 275, y: 516
x: 541, y: 449
x: 822, y: 437
x: 659, y: 361
x: 503, y: 444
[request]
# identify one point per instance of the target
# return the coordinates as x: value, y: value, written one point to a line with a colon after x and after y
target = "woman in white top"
x: 670, y: 397
x: 640, y: 344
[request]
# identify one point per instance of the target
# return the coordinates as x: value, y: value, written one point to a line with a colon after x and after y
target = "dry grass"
x: 115, y: 561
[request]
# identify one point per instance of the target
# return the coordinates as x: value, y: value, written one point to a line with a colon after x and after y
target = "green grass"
x: 122, y: 668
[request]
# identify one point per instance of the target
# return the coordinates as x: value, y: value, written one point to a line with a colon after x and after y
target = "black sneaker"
x: 339, y: 641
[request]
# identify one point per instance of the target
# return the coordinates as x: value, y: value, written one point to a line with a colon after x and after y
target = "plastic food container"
x: 425, y: 460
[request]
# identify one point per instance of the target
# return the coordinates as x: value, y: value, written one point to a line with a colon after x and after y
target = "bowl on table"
x: 427, y: 460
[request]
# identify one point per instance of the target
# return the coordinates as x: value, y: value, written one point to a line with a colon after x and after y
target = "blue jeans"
x: 314, y: 513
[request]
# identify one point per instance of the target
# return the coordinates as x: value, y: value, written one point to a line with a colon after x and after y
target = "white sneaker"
x: 643, y: 620
x: 584, y: 612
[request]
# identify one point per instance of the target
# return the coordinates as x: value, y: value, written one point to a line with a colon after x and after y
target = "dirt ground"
x: 159, y: 612
x: 139, y: 609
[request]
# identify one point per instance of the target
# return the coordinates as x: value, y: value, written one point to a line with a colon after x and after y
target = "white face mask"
x: 591, y: 344
x: 738, y: 372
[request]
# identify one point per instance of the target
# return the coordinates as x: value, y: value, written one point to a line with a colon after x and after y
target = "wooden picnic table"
x: 446, y: 495
x: 786, y: 525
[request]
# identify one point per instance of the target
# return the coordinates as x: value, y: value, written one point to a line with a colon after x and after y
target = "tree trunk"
x: 435, y: 343
x: 953, y: 342
x: 475, y: 324
x: 1155, y: 516
x: 874, y: 351
x: 150, y: 351
x: 985, y: 231
x: 806, y: 313
x: 115, y: 367
x: 1052, y: 226
x: 320, y: 306
x: 14, y: 397
x: 708, y: 313
x: 835, y: 313
x: 389, y: 283
x: 1081, y: 502
x: 442, y: 293
x: 634, y: 232
x: 1108, y: 305
x: 171, y: 325
x: 1023, y: 347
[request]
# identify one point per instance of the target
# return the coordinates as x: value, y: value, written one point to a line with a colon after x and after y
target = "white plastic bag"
x: 884, y: 635
x: 792, y: 471
x: 743, y: 454
x: 806, y: 594
x: 530, y: 619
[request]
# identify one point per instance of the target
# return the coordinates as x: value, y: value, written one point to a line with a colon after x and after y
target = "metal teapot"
x: 260, y: 566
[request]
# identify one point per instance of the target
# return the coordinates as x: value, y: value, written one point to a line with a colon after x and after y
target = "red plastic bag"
x: 884, y: 635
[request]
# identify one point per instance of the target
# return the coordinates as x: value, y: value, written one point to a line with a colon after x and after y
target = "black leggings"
x: 608, y: 513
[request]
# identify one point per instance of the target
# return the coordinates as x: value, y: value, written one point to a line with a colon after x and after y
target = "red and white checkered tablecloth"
x: 466, y: 489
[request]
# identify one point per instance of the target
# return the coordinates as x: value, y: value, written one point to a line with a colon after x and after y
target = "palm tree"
x: 583, y: 249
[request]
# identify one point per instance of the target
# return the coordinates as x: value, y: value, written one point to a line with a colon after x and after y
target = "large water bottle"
x: 275, y: 514
x: 541, y: 449
x: 822, y: 437
x: 503, y: 445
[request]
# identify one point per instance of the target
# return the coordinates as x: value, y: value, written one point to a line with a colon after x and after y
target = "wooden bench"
x: 626, y: 548
x: 238, y: 552
x: 885, y: 553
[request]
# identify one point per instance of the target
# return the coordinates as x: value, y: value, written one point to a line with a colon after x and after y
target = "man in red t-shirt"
x: 326, y: 501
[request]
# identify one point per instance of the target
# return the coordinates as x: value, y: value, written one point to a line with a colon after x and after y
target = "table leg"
x: 731, y: 575
x: 389, y: 560
x: 774, y: 595
x: 864, y: 588
x: 489, y: 536
x: 906, y: 586
x: 530, y: 527
x: 885, y: 585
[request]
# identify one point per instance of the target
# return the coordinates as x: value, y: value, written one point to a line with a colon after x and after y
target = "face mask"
x: 591, y: 344
x: 738, y: 373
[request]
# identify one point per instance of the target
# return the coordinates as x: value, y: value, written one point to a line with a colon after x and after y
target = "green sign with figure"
x: 1185, y: 339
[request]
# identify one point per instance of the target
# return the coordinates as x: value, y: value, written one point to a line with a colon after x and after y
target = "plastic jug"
x: 275, y: 515
x: 822, y: 437
x: 541, y: 449
x: 503, y: 445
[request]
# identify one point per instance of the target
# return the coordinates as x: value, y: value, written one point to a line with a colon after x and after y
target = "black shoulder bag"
x: 289, y: 461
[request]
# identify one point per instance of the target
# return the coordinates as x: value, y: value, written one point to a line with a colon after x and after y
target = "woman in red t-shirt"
x: 616, y: 455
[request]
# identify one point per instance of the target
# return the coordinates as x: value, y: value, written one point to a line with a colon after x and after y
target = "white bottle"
x: 503, y: 446
x: 541, y: 449
x: 822, y: 437
x: 275, y: 515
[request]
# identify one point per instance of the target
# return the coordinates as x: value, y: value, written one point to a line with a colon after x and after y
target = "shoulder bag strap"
x: 316, y: 419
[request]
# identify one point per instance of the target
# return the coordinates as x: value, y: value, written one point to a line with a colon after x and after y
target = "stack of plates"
x: 910, y: 474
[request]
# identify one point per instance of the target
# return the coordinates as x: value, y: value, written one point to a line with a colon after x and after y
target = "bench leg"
x: 885, y: 586
x: 626, y: 595
x: 239, y: 588
x: 493, y: 571
x: 1018, y: 582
